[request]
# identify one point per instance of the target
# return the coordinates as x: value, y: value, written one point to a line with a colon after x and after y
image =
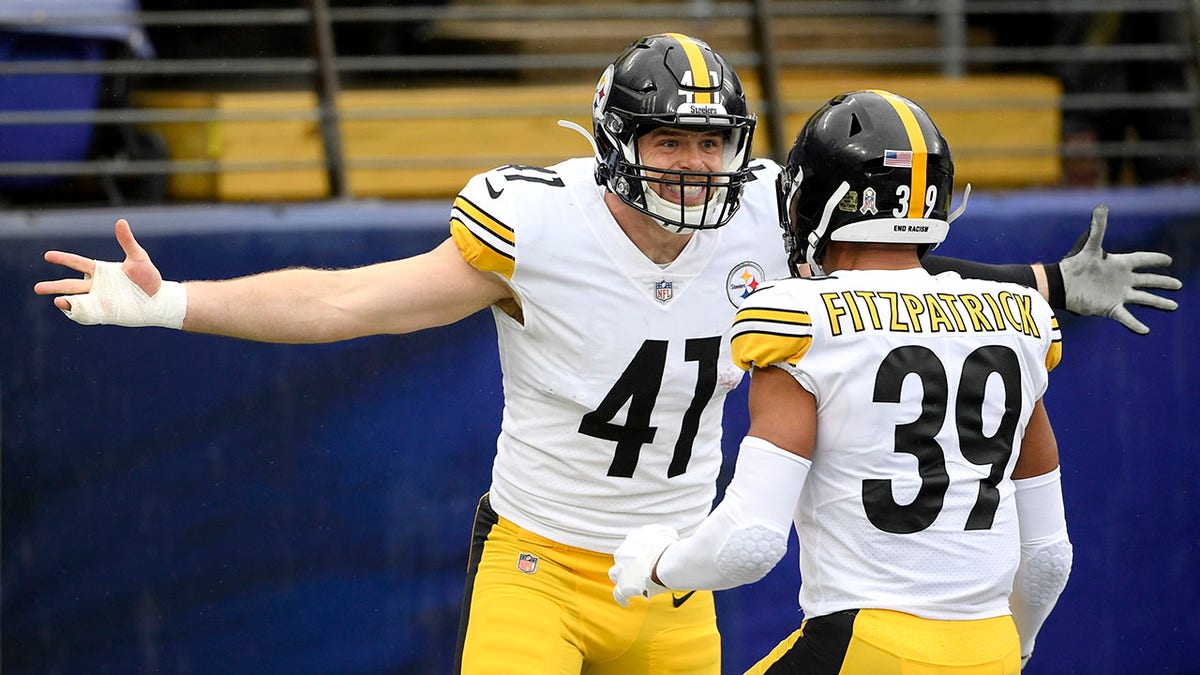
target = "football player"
x: 612, y: 280
x: 895, y: 415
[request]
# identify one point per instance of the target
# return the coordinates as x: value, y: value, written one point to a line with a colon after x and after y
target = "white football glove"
x: 634, y: 561
x: 116, y: 300
x: 1097, y: 283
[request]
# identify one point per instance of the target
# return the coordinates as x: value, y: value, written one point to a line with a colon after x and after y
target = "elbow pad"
x: 1044, y: 570
x: 1040, y: 579
x: 747, y: 534
x: 723, y: 553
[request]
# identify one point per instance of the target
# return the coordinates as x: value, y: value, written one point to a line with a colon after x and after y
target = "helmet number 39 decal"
x: 903, y: 192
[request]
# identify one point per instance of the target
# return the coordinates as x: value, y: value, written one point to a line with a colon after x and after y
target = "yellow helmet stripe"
x: 699, y: 68
x: 920, y: 159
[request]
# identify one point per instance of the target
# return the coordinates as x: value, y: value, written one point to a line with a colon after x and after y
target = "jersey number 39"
x: 918, y: 437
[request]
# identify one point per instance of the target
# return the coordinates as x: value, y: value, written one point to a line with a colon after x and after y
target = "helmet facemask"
x: 718, y: 191
x: 795, y: 234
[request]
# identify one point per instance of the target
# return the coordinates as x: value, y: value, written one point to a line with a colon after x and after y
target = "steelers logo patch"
x: 743, y: 280
x: 600, y: 97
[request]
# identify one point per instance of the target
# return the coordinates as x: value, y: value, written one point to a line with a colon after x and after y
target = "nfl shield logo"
x: 662, y: 290
x: 868, y: 205
x: 527, y: 563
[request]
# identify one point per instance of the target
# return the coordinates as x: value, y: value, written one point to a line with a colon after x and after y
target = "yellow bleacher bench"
x: 426, y: 142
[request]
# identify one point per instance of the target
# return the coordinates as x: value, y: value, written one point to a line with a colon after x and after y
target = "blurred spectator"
x: 1085, y: 130
x: 282, y: 40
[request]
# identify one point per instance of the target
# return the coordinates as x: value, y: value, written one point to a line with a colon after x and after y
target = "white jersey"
x: 924, y: 386
x: 615, y: 377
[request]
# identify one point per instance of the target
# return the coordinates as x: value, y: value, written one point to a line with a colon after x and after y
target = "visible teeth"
x: 690, y: 192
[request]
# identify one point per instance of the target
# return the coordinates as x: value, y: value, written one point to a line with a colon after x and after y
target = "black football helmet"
x: 677, y: 81
x: 868, y: 166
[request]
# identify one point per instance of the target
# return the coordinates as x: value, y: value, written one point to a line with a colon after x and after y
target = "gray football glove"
x: 1097, y: 283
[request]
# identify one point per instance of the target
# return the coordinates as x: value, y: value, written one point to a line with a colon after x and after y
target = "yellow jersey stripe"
x: 487, y: 222
x: 920, y: 159
x: 695, y: 58
x: 1054, y: 354
x: 762, y: 349
x: 775, y: 315
x: 481, y: 255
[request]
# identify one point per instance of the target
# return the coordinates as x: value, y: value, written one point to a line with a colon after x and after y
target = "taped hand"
x: 130, y: 293
x: 114, y: 299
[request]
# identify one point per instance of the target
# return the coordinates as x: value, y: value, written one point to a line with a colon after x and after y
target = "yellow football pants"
x: 538, y: 607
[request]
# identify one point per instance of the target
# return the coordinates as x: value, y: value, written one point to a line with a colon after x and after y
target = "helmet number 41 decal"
x: 688, y: 81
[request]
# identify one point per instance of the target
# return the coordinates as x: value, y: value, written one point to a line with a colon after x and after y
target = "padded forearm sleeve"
x: 1046, y: 554
x: 747, y: 534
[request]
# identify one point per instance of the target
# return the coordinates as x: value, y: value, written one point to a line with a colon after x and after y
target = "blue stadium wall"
x: 191, y: 504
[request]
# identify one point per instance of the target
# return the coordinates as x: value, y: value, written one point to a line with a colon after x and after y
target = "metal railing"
x: 315, y: 62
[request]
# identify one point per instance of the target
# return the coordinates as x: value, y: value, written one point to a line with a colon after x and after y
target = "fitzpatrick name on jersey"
x: 854, y: 311
x: 776, y: 327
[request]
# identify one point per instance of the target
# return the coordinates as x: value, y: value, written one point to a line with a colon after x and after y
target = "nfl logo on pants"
x: 527, y: 563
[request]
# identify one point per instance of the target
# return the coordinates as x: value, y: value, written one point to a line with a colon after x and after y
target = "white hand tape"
x: 116, y: 300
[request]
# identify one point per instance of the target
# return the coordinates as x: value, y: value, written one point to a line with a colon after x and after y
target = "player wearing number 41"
x: 895, y: 415
x: 613, y: 280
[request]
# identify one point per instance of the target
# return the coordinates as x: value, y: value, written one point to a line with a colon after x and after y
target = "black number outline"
x: 523, y: 171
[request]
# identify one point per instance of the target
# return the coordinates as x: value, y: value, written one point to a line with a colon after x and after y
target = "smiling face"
x: 680, y: 150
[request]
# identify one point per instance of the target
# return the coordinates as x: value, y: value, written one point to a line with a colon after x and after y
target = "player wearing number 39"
x: 613, y: 280
x: 895, y: 415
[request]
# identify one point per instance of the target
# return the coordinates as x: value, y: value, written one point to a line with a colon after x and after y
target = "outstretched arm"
x: 290, y: 305
x: 1088, y: 281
